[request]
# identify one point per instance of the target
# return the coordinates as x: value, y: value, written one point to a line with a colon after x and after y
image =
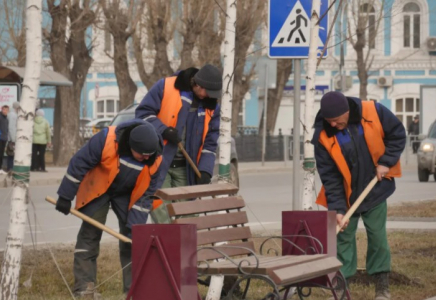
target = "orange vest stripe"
x: 97, y: 181
x: 374, y: 134
x: 170, y: 108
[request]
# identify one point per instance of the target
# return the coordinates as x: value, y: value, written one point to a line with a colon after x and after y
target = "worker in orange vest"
x: 184, y: 108
x: 354, y: 141
x: 118, y: 167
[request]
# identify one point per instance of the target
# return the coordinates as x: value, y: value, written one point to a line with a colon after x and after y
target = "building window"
x: 406, y: 109
x: 367, y: 20
x: 411, y: 25
x: 107, y: 108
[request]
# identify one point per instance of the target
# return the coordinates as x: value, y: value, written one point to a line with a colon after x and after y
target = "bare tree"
x: 158, y: 28
x: 363, y: 26
x: 202, y: 32
x: 121, y: 19
x: 13, y: 15
x: 70, y: 56
x: 250, y: 16
x: 284, y: 69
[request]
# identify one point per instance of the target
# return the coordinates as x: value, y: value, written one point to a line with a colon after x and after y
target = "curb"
x: 7, y: 182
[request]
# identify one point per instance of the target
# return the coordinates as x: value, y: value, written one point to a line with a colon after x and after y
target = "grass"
x: 416, y: 209
x: 413, y: 264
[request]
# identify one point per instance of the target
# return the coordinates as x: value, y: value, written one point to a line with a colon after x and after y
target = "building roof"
x: 48, y: 78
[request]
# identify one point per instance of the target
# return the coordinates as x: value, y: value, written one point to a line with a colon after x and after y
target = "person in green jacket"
x: 41, y: 139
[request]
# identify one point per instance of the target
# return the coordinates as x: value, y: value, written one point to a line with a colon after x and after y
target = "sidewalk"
x: 55, y: 174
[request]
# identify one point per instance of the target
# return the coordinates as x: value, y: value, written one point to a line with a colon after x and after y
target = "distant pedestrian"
x: 41, y: 139
x: 4, y: 128
x: 12, y: 123
x: 413, y: 131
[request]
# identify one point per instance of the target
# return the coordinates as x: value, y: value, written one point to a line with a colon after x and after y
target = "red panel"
x: 319, y: 224
x: 164, y: 262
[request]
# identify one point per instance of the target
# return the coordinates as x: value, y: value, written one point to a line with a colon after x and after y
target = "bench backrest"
x: 218, y: 220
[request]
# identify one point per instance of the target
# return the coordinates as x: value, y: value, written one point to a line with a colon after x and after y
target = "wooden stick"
x: 356, y: 204
x: 93, y: 222
x: 186, y: 155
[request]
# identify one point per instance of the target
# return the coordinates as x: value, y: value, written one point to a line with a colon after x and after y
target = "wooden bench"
x: 222, y: 220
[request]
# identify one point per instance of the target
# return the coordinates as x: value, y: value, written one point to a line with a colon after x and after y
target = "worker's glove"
x: 205, y: 178
x: 63, y: 205
x: 171, y: 134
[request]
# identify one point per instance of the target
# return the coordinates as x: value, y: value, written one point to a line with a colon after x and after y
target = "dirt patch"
x: 416, y: 209
x: 395, y: 278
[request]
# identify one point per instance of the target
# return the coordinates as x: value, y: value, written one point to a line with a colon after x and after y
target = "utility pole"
x: 309, y: 155
x: 10, y: 269
x: 225, y: 140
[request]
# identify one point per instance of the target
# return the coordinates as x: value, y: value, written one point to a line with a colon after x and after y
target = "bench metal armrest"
x: 227, y: 257
x: 286, y: 238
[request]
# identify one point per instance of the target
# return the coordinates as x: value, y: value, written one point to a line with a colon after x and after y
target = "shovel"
x: 186, y: 155
x: 356, y: 204
x: 93, y: 222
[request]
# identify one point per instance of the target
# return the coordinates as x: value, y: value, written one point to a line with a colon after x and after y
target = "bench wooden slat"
x: 223, y: 235
x: 197, y: 191
x: 214, y: 221
x: 210, y: 254
x: 267, y: 264
x: 202, y: 206
x: 306, y: 271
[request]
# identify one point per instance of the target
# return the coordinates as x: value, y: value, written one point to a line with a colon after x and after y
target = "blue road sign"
x: 289, y: 28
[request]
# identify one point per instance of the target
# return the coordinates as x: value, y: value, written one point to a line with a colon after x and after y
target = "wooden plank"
x: 197, y: 191
x: 223, y: 235
x: 204, y: 206
x: 206, y: 254
x: 267, y: 264
x: 214, y: 221
x: 305, y: 271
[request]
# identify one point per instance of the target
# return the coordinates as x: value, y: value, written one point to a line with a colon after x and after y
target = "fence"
x: 279, y: 147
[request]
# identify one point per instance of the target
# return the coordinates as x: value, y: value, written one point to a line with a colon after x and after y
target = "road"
x: 266, y: 195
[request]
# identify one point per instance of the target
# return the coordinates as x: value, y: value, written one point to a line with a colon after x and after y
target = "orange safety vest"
x: 97, y: 181
x: 374, y: 134
x: 170, y: 107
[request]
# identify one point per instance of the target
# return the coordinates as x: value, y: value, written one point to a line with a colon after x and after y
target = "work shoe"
x: 89, y: 293
x: 382, y: 286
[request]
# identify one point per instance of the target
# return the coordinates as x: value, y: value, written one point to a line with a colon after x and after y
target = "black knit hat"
x: 143, y: 139
x: 334, y: 104
x: 211, y: 79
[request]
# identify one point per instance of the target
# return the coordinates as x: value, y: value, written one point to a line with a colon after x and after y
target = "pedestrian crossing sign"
x: 289, y: 28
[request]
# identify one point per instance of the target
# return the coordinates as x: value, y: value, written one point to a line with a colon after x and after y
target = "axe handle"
x: 186, y: 155
x: 93, y: 222
x: 356, y: 204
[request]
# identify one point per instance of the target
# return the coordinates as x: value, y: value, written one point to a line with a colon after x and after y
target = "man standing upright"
x: 4, y: 129
x: 184, y: 108
x: 413, y: 130
x: 354, y: 141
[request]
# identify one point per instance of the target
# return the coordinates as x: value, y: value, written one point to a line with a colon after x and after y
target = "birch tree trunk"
x: 225, y: 139
x: 10, y: 269
x: 309, y: 155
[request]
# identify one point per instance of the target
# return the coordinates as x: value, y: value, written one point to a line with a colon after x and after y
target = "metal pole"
x: 265, y: 103
x: 296, y: 137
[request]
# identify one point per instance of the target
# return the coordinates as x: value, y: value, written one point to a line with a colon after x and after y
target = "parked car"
x: 427, y: 154
x: 98, y: 124
x: 129, y: 113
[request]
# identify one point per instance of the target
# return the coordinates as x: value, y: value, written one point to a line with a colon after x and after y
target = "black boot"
x: 382, y: 286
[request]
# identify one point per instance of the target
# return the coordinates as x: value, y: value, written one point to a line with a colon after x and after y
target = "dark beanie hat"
x: 144, y: 139
x: 333, y: 104
x: 211, y: 79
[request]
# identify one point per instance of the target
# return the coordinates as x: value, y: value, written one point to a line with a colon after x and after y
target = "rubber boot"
x: 382, y: 286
